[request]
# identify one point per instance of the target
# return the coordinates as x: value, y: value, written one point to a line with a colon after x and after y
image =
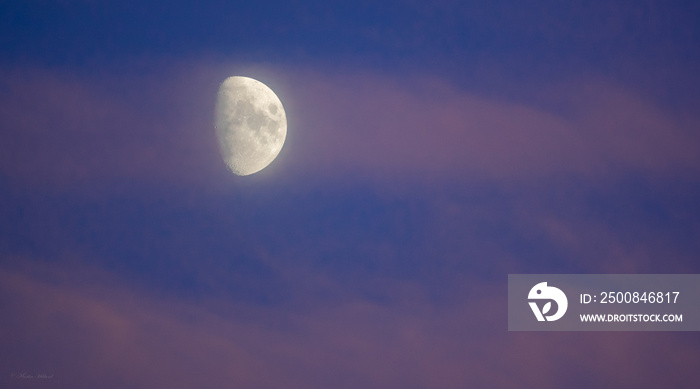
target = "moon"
x: 251, y: 124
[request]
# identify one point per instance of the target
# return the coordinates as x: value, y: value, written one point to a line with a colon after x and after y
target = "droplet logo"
x: 543, y: 292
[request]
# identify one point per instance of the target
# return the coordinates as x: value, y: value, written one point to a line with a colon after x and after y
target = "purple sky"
x: 432, y: 149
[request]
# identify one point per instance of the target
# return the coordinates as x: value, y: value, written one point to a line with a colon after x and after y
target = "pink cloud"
x: 68, y: 128
x: 102, y: 333
x: 424, y: 127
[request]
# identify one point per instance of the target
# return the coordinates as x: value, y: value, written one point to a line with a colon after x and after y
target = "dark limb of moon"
x: 250, y: 124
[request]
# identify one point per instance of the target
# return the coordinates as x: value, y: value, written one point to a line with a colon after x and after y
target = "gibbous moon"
x: 250, y: 124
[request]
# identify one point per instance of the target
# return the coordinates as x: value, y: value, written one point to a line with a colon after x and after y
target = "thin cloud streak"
x: 110, y: 335
x: 68, y: 128
x: 426, y: 127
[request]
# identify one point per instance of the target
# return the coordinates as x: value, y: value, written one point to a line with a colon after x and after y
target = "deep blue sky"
x: 543, y: 37
x: 433, y: 148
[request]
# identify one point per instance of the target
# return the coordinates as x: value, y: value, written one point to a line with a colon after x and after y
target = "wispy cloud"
x: 70, y: 127
x: 380, y: 125
x: 105, y: 333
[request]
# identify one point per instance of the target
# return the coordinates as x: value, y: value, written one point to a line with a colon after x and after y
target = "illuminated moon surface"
x: 250, y: 124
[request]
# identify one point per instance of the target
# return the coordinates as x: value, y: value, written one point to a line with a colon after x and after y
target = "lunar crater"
x: 251, y: 124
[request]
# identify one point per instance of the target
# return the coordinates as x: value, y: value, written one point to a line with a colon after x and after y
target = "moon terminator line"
x: 251, y: 125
